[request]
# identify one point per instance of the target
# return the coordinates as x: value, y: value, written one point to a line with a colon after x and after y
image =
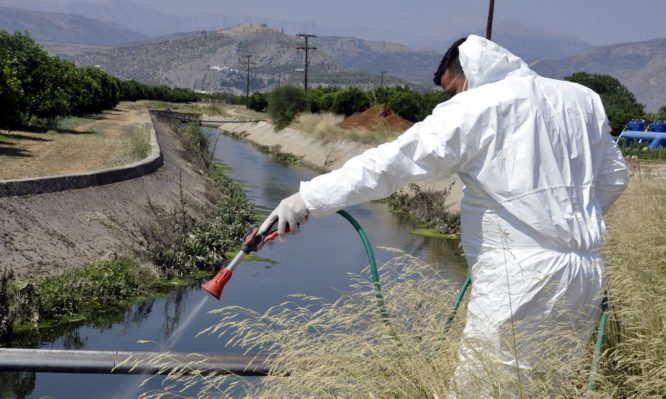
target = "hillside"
x: 65, y: 28
x: 639, y: 66
x: 377, y: 56
x: 216, y: 60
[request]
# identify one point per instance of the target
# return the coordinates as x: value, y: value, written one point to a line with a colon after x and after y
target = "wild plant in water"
x: 427, y: 206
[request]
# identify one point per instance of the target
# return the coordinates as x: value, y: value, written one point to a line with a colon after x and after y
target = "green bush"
x: 284, y: 103
x: 258, y: 102
x: 100, y: 283
x: 350, y: 101
x: 428, y: 207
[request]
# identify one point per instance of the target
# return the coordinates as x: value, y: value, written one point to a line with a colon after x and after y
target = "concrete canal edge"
x: 49, y: 184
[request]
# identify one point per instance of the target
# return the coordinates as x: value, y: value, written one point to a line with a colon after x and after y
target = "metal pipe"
x: 117, y: 362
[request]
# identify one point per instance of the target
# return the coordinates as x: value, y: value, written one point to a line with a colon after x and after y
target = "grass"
x: 640, y: 151
x: 635, y: 351
x: 71, y: 123
x: 429, y: 208
x: 326, y: 127
x: 139, y: 141
x: 426, y: 232
x: 196, y: 108
x: 74, y: 145
x: 346, y: 350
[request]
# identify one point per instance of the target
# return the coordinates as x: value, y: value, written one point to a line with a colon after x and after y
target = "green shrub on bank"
x: 178, y: 243
x: 428, y: 207
x: 258, y: 102
x: 284, y: 103
x: 101, y: 283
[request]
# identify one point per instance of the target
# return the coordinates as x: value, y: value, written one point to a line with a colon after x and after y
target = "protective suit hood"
x: 485, y: 62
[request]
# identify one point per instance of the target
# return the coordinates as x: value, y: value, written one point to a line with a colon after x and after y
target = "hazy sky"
x: 598, y: 22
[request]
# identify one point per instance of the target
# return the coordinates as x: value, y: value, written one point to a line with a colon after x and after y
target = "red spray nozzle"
x: 252, y: 242
x: 216, y: 284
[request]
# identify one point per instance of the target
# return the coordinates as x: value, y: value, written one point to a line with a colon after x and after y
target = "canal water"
x: 315, y: 262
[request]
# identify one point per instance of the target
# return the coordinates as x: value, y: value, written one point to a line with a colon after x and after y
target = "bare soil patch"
x: 376, y: 118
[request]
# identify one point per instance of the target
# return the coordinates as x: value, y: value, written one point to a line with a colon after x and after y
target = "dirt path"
x: 45, y: 234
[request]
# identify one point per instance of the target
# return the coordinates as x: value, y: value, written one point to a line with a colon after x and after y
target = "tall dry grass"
x: 634, y: 359
x: 325, y: 126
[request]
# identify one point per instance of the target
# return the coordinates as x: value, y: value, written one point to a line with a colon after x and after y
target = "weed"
x: 139, y: 138
x: 7, y: 300
x: 640, y: 151
x: 178, y: 243
x: 635, y: 349
x: 427, y: 207
x: 101, y: 283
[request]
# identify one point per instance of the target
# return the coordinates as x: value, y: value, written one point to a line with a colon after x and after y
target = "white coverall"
x: 539, y: 169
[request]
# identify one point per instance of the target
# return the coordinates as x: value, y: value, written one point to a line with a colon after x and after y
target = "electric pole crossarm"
x: 307, y: 48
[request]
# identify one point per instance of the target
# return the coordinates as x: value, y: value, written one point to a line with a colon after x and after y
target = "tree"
x: 20, y: 59
x: 258, y: 102
x: 350, y: 101
x: 620, y: 104
x: 51, y: 97
x: 284, y: 103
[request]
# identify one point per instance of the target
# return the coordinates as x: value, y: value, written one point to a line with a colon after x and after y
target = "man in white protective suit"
x: 539, y: 168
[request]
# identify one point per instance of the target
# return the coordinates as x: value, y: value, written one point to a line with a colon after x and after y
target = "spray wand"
x: 252, y: 242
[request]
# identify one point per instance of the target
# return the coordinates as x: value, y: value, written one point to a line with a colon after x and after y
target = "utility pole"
x: 247, y: 86
x: 307, y: 59
x: 381, y: 83
x: 489, y: 24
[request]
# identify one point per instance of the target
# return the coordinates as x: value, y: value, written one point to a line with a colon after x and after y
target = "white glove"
x: 291, y: 211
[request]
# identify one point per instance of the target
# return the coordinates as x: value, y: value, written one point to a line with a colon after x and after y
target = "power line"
x: 306, y: 47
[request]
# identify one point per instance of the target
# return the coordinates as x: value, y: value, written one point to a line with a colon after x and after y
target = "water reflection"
x: 16, y: 385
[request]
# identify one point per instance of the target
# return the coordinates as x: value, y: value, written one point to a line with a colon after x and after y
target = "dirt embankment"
x: 45, y: 234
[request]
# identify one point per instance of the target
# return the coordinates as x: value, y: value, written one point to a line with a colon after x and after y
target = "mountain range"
x: 215, y: 59
x: 66, y: 28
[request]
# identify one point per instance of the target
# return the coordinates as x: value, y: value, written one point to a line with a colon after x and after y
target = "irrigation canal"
x: 315, y: 262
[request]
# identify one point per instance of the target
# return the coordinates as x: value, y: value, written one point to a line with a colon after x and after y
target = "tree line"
x: 285, y: 102
x: 37, y: 86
